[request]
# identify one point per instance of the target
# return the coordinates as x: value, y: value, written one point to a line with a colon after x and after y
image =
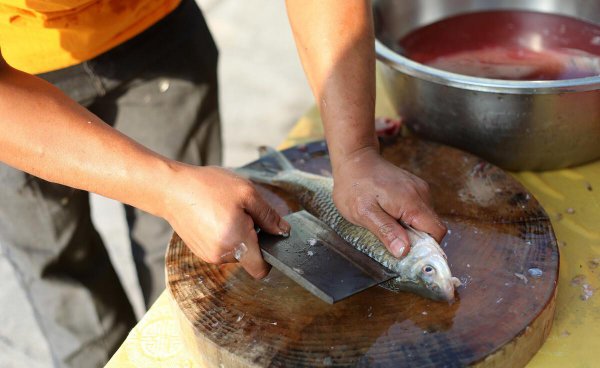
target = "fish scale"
x: 314, y: 193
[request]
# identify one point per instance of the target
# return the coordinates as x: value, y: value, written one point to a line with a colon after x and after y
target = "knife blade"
x: 319, y: 260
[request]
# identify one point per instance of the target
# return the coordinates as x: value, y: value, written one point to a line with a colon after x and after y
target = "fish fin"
x: 256, y: 175
x: 273, y: 162
x: 279, y: 157
x: 269, y: 169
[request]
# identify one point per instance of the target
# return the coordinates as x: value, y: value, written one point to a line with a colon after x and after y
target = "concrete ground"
x: 263, y: 92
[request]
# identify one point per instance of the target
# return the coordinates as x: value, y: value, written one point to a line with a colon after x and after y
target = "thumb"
x: 265, y: 216
x: 388, y: 230
x: 427, y: 221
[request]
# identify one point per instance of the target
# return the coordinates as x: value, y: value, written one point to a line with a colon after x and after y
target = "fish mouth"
x: 448, y: 293
x: 445, y: 292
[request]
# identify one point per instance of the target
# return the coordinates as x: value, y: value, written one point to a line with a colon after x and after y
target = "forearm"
x: 45, y: 133
x: 214, y: 211
x: 335, y: 43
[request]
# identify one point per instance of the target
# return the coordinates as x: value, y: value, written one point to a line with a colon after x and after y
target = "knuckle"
x: 412, y: 193
x: 386, y: 229
x: 424, y: 186
x: 229, y: 229
x: 247, y: 190
x: 225, y: 237
x: 268, y: 214
x: 364, y: 208
x: 409, y: 216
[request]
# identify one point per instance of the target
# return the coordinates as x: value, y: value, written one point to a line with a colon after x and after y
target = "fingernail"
x: 240, y: 251
x: 284, y: 228
x: 398, y: 247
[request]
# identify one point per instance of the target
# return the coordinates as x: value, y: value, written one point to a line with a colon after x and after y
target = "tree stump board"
x: 500, y: 245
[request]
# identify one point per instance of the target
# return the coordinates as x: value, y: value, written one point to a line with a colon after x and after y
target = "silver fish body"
x: 423, y: 271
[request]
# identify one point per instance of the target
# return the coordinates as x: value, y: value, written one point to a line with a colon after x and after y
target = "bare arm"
x: 52, y: 137
x: 45, y: 133
x: 335, y: 42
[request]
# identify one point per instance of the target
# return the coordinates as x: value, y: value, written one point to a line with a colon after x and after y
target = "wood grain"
x: 502, y: 315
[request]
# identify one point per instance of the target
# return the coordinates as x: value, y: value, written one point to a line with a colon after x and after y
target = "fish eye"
x: 428, y: 270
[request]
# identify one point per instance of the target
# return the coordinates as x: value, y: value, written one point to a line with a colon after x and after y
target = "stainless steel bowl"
x: 518, y: 125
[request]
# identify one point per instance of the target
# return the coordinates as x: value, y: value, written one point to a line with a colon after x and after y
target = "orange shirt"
x: 43, y: 35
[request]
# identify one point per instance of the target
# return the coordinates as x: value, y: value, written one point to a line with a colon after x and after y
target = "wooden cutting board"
x: 500, y: 245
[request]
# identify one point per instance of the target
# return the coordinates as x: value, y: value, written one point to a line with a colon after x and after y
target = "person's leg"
x: 162, y: 92
x: 74, y: 306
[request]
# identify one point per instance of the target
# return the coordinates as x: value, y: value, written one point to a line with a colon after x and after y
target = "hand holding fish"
x: 375, y: 194
x: 335, y: 43
x: 214, y: 211
x: 424, y: 270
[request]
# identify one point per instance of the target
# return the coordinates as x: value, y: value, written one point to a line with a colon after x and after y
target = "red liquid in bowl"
x: 511, y: 45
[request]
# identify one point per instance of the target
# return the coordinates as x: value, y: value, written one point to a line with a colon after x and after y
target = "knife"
x: 319, y: 260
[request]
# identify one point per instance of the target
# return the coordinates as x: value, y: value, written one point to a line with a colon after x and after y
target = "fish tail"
x: 267, y: 172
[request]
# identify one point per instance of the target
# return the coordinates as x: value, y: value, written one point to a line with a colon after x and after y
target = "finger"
x: 248, y: 255
x: 422, y: 189
x: 388, y: 230
x: 425, y: 196
x: 426, y: 220
x: 234, y: 245
x: 265, y: 216
x: 228, y: 257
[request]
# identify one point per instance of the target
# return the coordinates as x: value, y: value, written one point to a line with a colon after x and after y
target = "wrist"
x: 357, y: 137
x: 360, y: 156
x: 161, y: 190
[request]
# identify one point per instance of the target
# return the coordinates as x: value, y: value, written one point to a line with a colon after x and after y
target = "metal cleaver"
x: 320, y: 260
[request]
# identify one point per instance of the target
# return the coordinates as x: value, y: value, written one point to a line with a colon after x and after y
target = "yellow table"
x: 571, y: 198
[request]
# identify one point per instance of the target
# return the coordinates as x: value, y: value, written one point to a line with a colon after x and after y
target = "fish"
x: 424, y: 270
x: 521, y: 63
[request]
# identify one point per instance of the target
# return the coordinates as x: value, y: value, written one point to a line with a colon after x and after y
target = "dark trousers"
x: 61, y: 291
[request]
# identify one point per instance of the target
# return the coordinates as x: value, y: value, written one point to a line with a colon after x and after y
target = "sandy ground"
x: 263, y: 91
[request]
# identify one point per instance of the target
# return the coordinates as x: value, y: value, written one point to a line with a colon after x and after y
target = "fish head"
x: 429, y: 271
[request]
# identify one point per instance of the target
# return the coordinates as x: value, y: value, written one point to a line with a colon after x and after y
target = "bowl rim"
x: 431, y: 74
